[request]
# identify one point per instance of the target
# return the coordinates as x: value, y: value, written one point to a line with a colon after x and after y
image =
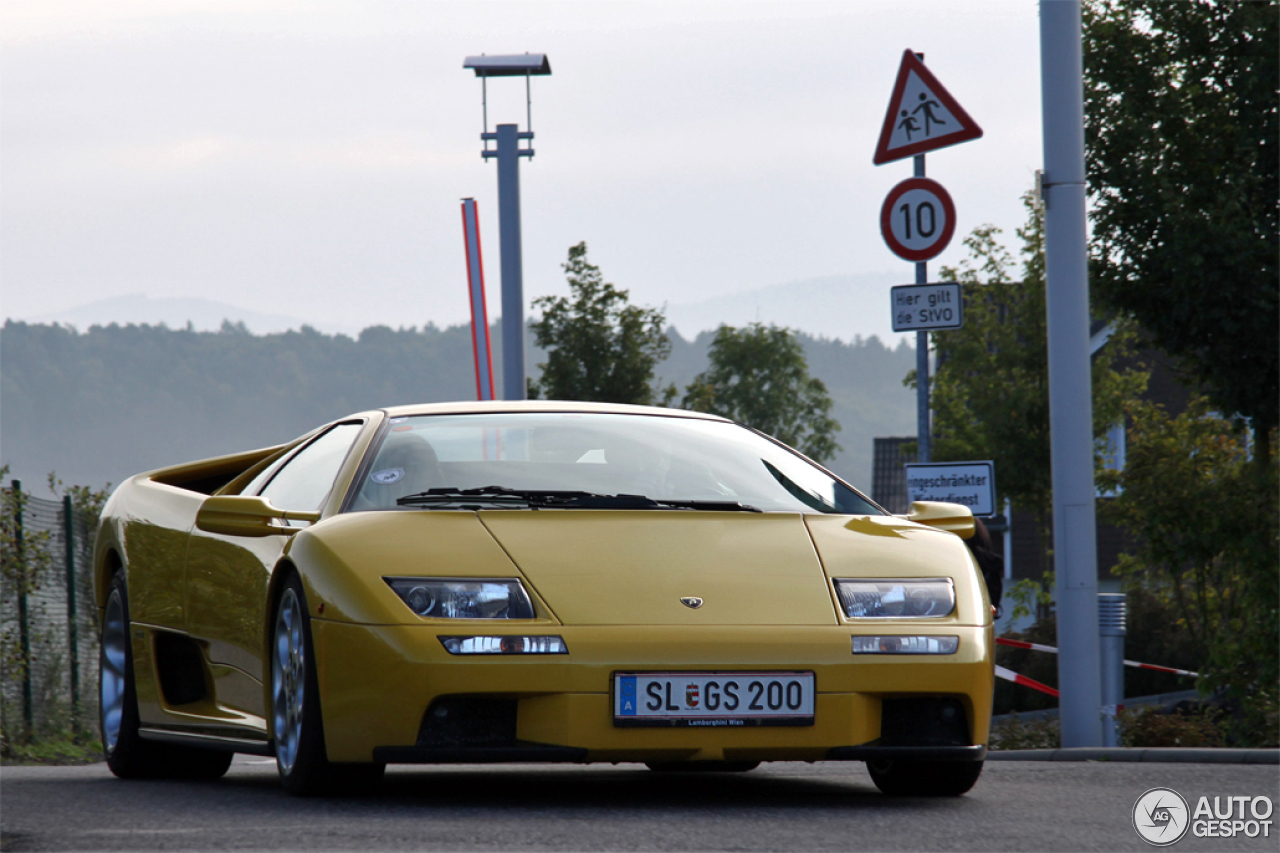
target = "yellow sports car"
x: 541, y: 581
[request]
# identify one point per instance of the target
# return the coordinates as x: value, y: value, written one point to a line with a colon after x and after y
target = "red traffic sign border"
x: 969, y: 128
x: 886, y: 213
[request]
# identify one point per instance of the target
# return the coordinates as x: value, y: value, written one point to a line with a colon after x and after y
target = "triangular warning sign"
x: 922, y: 115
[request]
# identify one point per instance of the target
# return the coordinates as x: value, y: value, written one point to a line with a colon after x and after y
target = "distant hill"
x: 204, y: 315
x: 840, y: 307
x: 101, y: 405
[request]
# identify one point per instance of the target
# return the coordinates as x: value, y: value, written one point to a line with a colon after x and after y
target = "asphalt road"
x: 1017, y: 806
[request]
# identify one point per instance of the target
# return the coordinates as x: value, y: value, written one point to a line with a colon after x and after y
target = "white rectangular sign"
x: 972, y: 484
x: 922, y: 307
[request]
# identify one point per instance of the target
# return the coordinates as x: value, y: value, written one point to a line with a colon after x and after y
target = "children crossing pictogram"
x: 922, y: 115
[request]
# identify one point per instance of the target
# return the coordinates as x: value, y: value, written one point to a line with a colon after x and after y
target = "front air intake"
x: 468, y: 721
x: 923, y: 721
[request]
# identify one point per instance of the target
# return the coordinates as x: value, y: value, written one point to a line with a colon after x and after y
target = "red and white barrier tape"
x: 1010, y: 675
x: 1019, y: 644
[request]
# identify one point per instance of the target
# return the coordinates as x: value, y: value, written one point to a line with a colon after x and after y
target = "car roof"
x: 477, y: 407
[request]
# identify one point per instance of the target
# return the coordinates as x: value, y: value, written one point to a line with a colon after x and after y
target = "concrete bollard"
x: 1111, y: 631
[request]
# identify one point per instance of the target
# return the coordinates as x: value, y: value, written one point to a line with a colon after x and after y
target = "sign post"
x: 918, y: 218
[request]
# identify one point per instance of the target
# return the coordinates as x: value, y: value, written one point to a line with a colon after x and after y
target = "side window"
x: 305, y: 480
x: 255, y: 485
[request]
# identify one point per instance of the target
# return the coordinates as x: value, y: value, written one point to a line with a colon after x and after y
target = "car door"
x: 226, y: 577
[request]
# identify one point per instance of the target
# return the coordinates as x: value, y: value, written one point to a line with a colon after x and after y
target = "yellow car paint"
x: 607, y: 581
x: 376, y: 681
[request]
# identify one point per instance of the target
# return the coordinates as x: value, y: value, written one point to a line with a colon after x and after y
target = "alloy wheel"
x: 288, y: 679
x: 111, y: 671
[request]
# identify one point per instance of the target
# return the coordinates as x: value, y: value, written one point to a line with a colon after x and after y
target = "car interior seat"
x: 406, y: 464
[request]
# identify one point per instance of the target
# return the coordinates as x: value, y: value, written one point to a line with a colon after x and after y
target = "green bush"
x: 1016, y: 733
x: 1155, y: 727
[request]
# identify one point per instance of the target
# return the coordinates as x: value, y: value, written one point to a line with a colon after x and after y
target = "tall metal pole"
x: 924, y: 443
x: 509, y: 153
x: 1070, y: 397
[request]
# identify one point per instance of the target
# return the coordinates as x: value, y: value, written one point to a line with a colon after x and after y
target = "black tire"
x: 702, y: 766
x: 899, y: 778
x: 128, y: 755
x: 297, y: 725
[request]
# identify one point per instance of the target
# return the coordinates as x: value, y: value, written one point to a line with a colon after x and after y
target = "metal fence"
x: 48, y: 620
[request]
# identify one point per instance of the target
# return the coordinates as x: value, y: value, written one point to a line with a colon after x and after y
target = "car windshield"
x: 712, y: 464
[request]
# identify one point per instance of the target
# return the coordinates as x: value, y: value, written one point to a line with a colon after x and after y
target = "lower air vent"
x: 924, y: 721
x: 181, y: 668
x: 459, y: 721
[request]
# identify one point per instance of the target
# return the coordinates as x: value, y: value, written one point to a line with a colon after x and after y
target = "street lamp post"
x: 508, y: 153
x: 1075, y: 538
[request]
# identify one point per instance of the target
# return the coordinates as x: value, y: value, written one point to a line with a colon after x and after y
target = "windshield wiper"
x: 709, y: 506
x: 490, y: 494
x: 560, y: 499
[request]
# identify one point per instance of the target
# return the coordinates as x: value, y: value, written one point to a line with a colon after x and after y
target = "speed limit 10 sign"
x: 918, y: 219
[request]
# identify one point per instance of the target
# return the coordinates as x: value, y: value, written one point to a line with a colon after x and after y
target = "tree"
x: 1181, y: 133
x: 1205, y: 530
x: 599, y: 346
x: 990, y: 396
x: 759, y: 376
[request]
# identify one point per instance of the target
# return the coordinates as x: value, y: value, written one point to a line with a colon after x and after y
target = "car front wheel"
x: 297, y: 727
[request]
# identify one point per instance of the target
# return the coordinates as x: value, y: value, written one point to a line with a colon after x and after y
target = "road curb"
x: 1188, y: 755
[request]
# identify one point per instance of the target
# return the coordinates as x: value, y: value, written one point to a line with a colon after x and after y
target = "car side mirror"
x: 248, y: 515
x: 953, y: 518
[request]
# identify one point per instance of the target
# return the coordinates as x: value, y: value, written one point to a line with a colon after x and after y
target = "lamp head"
x: 510, y: 65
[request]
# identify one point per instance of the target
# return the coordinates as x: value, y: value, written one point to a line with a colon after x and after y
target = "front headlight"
x: 890, y: 598
x: 450, y: 598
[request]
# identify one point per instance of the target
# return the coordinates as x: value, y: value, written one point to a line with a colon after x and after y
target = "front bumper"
x: 376, y: 683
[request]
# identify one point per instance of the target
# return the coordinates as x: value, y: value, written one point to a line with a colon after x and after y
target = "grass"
x: 60, y: 749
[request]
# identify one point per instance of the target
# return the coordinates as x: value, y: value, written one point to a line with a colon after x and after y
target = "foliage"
x: 35, y: 651
x: 990, y: 396
x: 1158, y: 727
x: 1154, y: 636
x: 1181, y: 133
x: 1019, y: 733
x: 1030, y: 597
x: 115, y: 400
x: 1142, y: 727
x: 599, y: 346
x: 25, y: 560
x: 1207, y: 541
x: 63, y: 748
x: 759, y: 376
x: 100, y: 404
x: 86, y: 501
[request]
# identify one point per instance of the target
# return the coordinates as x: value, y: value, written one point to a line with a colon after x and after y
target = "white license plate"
x: 713, y: 699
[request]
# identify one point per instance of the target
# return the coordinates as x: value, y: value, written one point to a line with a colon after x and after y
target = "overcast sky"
x: 308, y: 158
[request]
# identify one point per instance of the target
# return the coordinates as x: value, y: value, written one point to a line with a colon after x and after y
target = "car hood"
x: 596, y: 567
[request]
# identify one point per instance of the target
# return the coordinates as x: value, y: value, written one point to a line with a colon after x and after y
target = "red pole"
x: 479, y: 311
